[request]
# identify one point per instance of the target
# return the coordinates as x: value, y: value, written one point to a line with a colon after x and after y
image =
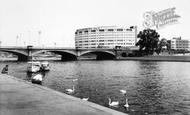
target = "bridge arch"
x: 22, y: 55
x: 101, y: 55
x: 66, y: 55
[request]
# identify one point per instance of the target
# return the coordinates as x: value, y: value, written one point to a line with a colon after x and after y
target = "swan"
x: 85, y: 99
x: 123, y: 91
x: 113, y: 103
x: 71, y: 90
x: 75, y: 80
x: 126, y: 104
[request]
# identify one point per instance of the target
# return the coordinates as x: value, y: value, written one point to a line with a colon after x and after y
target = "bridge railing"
x: 69, y: 48
x: 34, y: 47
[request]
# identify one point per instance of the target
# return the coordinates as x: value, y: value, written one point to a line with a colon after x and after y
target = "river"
x: 153, y: 87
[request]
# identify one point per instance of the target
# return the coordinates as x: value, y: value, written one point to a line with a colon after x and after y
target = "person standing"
x: 5, y: 70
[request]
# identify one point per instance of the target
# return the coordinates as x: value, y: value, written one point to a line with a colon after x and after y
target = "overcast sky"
x: 58, y: 19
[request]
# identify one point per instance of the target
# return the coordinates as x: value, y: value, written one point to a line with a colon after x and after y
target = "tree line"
x: 149, y: 42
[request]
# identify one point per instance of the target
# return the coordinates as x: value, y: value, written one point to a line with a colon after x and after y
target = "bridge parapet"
x: 26, y: 53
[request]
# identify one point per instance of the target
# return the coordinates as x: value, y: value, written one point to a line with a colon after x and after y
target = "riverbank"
x: 180, y: 58
x: 19, y: 97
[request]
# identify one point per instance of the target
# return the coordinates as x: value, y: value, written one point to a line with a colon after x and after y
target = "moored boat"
x: 37, y: 79
x: 33, y: 66
x: 45, y: 66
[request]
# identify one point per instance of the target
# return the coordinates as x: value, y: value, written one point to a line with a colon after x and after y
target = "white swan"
x: 85, y: 99
x: 113, y: 103
x: 71, y: 90
x: 126, y: 104
x: 123, y: 91
x: 75, y: 80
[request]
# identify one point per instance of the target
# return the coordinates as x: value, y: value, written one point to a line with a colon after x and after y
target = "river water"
x: 153, y: 87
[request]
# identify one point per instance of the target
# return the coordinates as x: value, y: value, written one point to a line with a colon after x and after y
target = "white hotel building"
x: 180, y: 44
x: 106, y: 37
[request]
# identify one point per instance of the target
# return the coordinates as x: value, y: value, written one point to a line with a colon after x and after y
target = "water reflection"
x: 92, y: 89
x: 148, y: 92
x: 158, y: 94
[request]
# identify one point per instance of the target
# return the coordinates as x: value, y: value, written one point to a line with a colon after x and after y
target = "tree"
x: 162, y: 44
x: 168, y: 45
x: 148, y: 41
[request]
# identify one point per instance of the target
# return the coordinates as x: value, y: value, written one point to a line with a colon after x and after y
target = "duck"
x: 113, y: 103
x: 123, y: 91
x: 85, y: 99
x: 126, y: 104
x: 71, y: 90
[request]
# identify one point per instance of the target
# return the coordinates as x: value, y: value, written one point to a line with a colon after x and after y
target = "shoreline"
x: 158, y: 58
x: 173, y: 58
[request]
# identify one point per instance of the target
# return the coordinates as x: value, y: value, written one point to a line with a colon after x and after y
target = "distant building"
x: 106, y: 37
x: 179, y: 44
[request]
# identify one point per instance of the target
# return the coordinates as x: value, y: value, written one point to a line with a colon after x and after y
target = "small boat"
x: 45, y: 66
x: 37, y: 79
x: 33, y: 67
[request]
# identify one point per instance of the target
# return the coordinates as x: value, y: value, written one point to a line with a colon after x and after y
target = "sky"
x: 53, y: 22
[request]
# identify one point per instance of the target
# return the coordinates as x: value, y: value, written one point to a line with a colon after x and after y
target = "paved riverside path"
x: 19, y: 97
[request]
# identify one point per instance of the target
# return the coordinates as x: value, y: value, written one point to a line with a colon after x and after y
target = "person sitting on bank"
x: 5, y: 70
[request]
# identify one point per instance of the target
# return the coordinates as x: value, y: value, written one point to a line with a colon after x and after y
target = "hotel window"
x: 80, y: 32
x: 119, y: 29
x: 93, y: 30
x: 101, y: 30
x: 101, y: 43
x: 128, y: 29
x: 110, y: 30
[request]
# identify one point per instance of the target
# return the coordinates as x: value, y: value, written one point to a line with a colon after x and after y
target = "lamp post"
x: 20, y: 40
x: 17, y: 40
x: 55, y: 44
x: 24, y: 43
x: 29, y: 37
x: 39, y: 33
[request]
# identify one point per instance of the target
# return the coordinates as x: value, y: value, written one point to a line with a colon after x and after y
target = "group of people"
x: 5, y: 69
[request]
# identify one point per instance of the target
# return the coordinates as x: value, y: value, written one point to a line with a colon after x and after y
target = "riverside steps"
x: 19, y: 97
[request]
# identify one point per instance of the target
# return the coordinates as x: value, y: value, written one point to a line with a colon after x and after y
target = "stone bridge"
x: 26, y: 53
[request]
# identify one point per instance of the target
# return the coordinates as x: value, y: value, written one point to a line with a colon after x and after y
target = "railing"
x: 25, y: 47
x: 69, y: 48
